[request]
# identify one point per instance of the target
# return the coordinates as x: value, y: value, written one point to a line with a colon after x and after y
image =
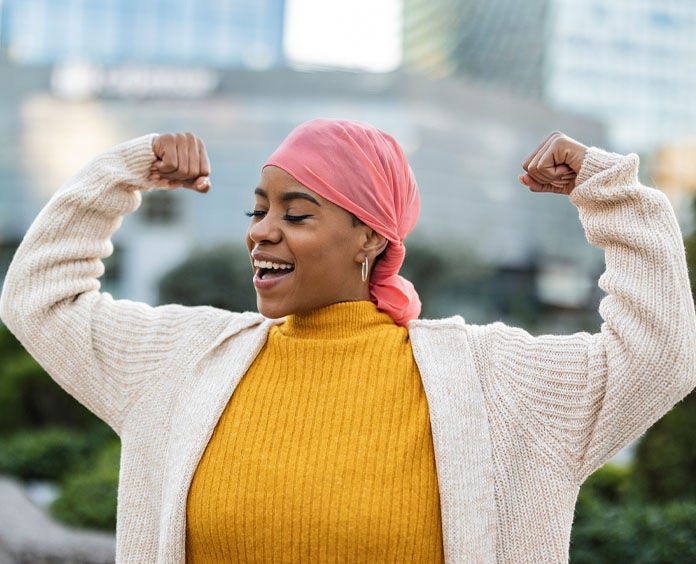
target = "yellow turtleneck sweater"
x: 323, y: 453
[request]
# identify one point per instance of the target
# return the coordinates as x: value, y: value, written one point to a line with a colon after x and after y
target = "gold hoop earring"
x: 365, y: 270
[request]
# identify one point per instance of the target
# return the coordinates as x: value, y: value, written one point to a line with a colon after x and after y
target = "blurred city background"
x: 468, y: 88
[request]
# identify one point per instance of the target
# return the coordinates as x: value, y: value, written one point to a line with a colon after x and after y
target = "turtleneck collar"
x: 336, y: 321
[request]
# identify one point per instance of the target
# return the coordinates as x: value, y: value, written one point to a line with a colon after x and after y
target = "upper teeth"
x: 268, y: 264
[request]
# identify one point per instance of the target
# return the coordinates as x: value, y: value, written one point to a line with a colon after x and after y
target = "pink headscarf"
x: 363, y: 170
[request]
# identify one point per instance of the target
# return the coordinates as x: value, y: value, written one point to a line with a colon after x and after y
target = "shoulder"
x: 203, y: 328
x: 453, y: 323
x: 218, y: 321
x: 455, y: 331
x: 454, y: 335
x: 456, y: 324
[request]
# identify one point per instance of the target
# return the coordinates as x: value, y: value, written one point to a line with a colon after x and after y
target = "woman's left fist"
x: 554, y: 165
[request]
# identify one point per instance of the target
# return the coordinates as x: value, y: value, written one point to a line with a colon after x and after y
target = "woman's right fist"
x: 181, y: 161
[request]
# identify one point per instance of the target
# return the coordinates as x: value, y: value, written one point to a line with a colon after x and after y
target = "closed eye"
x: 295, y: 218
x: 287, y: 217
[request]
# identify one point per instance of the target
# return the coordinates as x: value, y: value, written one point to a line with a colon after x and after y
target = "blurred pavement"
x: 29, y: 536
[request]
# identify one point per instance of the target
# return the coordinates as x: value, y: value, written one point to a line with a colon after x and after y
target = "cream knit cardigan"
x: 518, y: 422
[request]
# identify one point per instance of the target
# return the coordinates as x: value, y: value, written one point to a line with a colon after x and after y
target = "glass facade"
x: 221, y: 33
x: 500, y: 42
x: 630, y: 63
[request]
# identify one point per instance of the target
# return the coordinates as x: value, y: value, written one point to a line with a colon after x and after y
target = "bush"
x: 665, y: 458
x: 51, y: 453
x: 690, y: 247
x: 44, y: 454
x: 442, y: 278
x: 612, y: 525
x: 640, y: 534
x: 88, y: 498
x: 29, y: 398
x: 219, y: 277
x: 609, y: 484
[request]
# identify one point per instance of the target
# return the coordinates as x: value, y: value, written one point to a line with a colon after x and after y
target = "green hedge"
x: 665, y: 458
x: 51, y: 453
x: 609, y: 484
x: 88, y: 498
x: 29, y: 398
x: 640, y: 534
x: 45, y: 454
x: 219, y: 276
x: 612, y: 524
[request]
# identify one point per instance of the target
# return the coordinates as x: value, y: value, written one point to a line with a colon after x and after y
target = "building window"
x: 7, y: 251
x: 663, y: 19
x: 113, y: 271
x: 160, y: 207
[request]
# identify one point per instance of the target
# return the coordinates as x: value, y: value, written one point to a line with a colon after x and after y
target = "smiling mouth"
x: 266, y: 269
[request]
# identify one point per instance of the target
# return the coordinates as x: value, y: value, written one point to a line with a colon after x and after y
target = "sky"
x: 360, y: 34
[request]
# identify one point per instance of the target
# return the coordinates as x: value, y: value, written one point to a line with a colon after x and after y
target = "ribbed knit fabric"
x: 324, y: 452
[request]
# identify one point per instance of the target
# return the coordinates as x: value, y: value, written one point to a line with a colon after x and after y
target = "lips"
x: 269, y: 270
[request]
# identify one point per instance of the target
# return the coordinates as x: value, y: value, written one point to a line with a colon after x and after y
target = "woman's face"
x: 306, y: 252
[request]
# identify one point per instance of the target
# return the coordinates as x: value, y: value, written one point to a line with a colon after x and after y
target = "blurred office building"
x: 498, y: 42
x: 465, y: 145
x: 629, y: 63
x: 221, y: 33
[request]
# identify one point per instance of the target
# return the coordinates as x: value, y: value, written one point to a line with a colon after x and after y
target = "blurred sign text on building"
x: 79, y: 81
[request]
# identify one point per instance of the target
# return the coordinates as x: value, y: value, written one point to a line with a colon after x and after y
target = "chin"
x: 272, y: 311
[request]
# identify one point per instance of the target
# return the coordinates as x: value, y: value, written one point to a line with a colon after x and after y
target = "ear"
x: 372, y: 245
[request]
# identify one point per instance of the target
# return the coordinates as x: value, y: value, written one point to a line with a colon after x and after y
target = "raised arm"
x: 580, y: 398
x: 100, y: 350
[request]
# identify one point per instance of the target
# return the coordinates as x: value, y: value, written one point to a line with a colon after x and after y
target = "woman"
x: 356, y: 432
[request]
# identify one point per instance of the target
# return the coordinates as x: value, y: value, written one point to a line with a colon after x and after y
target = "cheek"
x: 333, y: 255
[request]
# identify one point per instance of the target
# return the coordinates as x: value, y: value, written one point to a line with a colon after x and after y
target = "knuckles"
x: 181, y: 155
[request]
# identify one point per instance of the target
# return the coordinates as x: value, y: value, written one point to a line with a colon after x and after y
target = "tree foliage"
x: 88, y: 496
x: 613, y: 525
x: 638, y: 533
x: 218, y: 277
x: 665, y: 459
x: 29, y: 398
x: 665, y: 462
x: 443, y: 278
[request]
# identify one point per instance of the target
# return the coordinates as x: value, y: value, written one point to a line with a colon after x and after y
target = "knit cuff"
x: 605, y: 176
x: 138, y: 156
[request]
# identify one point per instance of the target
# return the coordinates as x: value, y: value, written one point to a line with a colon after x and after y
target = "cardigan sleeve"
x: 99, y: 349
x: 580, y: 398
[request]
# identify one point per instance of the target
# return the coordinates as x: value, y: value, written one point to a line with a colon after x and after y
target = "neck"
x: 336, y: 321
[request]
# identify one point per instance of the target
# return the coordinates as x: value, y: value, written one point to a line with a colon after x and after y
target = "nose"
x: 264, y: 230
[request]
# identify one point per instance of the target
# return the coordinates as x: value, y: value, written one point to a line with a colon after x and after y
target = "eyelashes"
x: 257, y: 214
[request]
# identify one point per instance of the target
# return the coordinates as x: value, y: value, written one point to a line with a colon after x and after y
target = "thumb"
x: 530, y: 183
x: 157, y: 146
x: 535, y: 186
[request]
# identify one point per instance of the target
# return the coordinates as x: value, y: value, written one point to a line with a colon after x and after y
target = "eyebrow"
x: 287, y: 196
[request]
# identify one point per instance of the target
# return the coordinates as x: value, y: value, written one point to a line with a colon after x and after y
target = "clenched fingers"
x: 553, y: 166
x: 181, y: 160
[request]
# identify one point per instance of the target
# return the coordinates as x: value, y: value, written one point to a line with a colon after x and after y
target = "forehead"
x: 276, y: 185
x: 275, y: 182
